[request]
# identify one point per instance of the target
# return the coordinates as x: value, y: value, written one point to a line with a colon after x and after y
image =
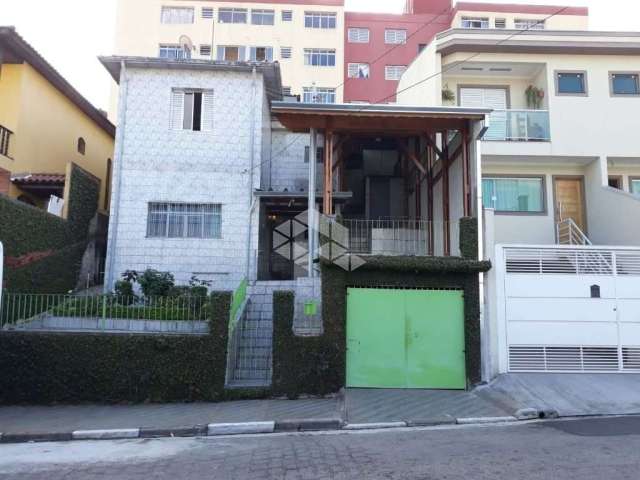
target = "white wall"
x: 424, y: 93
x: 288, y: 168
x: 163, y: 165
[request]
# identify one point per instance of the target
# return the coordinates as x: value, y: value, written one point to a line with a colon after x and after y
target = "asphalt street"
x: 606, y: 448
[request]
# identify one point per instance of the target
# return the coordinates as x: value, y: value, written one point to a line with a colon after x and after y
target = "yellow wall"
x: 46, y: 126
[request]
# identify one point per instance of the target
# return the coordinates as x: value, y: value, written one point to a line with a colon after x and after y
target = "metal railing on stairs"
x: 569, y: 233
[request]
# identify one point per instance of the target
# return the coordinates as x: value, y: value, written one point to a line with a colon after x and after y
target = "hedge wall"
x: 46, y: 368
x: 311, y: 365
x: 25, y: 229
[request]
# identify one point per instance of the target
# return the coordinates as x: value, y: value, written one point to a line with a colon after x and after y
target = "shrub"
x: 156, y: 284
x: 124, y: 289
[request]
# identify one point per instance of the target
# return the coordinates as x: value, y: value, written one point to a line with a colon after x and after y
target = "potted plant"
x: 447, y: 94
x: 535, y: 96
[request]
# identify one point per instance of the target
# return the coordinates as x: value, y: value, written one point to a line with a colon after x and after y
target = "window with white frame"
x: 323, y: 20
x: 262, y: 17
x: 231, y: 53
x: 232, y: 15
x: 174, y: 52
x: 319, y: 95
x: 177, y: 15
x: 529, y: 24
x: 516, y: 195
x: 206, y: 13
x: 395, y: 36
x: 287, y: 15
x: 192, y: 109
x: 261, y: 54
x: 184, y: 220
x: 285, y: 52
x: 205, y: 50
x: 358, y: 35
x: 358, y: 70
x: 475, y: 22
x: 394, y: 72
x: 319, y: 57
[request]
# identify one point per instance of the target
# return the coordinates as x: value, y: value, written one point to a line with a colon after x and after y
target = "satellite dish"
x: 187, y: 45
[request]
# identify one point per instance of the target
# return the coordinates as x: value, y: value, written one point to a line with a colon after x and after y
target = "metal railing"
x: 519, y: 126
x: 5, y: 137
x: 53, y: 312
x: 394, y: 237
x: 568, y: 233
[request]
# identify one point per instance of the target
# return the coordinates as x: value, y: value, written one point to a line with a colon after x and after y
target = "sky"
x: 62, y: 34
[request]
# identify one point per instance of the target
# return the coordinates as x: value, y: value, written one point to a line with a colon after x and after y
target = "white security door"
x: 494, y: 98
x: 568, y: 309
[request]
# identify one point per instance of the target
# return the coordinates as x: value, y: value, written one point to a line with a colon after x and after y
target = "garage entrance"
x: 405, y: 338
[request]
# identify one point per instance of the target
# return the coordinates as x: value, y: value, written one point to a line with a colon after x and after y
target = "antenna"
x: 187, y: 46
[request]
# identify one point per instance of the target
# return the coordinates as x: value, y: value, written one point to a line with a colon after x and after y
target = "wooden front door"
x: 569, y: 195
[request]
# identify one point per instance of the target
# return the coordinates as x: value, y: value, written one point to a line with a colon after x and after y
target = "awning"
x: 40, y: 184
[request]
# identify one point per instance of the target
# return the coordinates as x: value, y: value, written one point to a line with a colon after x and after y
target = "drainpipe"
x: 484, y: 340
x: 117, y: 160
x: 311, y: 202
x: 252, y: 155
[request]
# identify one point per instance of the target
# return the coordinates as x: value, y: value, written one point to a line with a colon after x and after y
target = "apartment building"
x: 305, y: 37
x: 560, y: 191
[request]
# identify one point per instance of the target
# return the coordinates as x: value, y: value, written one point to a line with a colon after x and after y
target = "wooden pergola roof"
x: 373, y: 119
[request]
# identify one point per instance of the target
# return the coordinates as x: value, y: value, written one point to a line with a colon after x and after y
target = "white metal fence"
x: 107, y: 313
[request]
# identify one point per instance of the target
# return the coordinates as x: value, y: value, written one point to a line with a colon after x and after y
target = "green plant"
x: 156, y: 284
x: 535, y: 96
x: 124, y: 289
x: 447, y: 94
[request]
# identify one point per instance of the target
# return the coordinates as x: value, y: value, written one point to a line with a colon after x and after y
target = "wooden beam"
x: 430, y: 210
x: 327, y: 201
x: 411, y: 156
x: 466, y: 177
x: 433, y: 145
x: 450, y: 161
x: 445, y: 198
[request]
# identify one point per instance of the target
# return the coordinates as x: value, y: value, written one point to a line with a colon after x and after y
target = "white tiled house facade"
x: 158, y: 162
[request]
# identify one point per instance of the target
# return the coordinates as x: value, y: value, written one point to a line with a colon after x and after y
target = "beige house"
x: 305, y: 37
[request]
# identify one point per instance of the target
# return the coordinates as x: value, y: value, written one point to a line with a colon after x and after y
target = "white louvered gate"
x: 568, y: 309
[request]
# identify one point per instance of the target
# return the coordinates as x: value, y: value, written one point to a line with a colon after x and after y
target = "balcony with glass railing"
x: 519, y: 126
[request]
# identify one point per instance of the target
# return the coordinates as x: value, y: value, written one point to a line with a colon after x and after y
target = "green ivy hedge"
x: 25, y: 229
x: 47, y: 368
x: 304, y: 365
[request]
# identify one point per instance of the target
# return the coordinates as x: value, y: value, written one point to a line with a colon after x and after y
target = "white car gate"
x: 568, y: 309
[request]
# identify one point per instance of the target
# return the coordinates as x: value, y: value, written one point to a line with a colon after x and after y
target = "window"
x: 287, y: 15
x: 625, y: 84
x: 285, y: 52
x: 615, y: 182
x: 319, y: 57
x: 421, y: 47
x: 286, y: 91
x: 519, y: 195
x: 82, y: 146
x: 635, y: 186
x: 261, y: 54
x: 571, y: 83
x: 232, y: 15
x: 5, y: 140
x: 475, y: 22
x: 358, y: 35
x: 192, y: 110
x: 319, y: 154
x: 501, y: 23
x: 358, y: 70
x: 205, y: 50
x: 395, y: 37
x: 394, y: 72
x: 229, y: 53
x: 529, y: 24
x: 319, y: 95
x: 320, y: 20
x: 184, y: 220
x: 262, y: 17
x: 206, y: 13
x: 174, y: 52
x: 177, y: 15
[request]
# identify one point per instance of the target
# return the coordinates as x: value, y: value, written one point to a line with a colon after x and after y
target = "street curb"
x: 115, y: 434
x: 432, y: 422
x: 528, y: 414
x: 196, y: 431
x: 215, y: 429
x: 484, y: 420
x: 308, y: 425
x: 374, y: 426
x: 35, y: 437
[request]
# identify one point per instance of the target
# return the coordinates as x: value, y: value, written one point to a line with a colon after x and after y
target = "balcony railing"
x: 5, y: 137
x: 519, y: 126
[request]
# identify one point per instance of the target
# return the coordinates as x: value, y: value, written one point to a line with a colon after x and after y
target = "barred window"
x: 323, y: 20
x: 319, y: 57
x: 319, y: 95
x: 394, y: 72
x: 184, y: 220
x: 358, y: 35
x: 395, y: 37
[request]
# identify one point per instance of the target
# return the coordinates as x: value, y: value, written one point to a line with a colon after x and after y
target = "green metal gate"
x: 405, y: 338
